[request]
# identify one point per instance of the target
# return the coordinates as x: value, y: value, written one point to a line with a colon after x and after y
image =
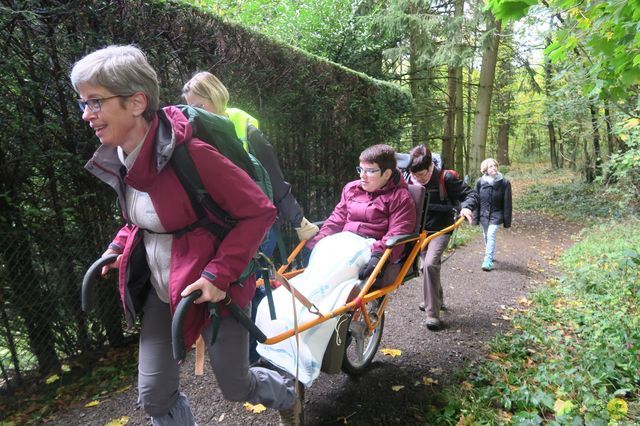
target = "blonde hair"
x: 484, y: 166
x: 207, y: 86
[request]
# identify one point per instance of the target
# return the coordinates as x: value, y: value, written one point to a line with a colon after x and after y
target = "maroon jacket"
x: 199, y: 252
x: 380, y: 214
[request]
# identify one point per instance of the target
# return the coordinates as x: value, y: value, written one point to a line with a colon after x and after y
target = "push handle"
x: 177, y: 324
x: 90, y: 278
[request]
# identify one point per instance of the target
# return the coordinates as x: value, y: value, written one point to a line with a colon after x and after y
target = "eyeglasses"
x: 369, y: 172
x: 95, y: 104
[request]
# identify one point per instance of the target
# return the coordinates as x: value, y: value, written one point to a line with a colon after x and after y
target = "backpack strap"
x: 188, y: 175
x: 441, y: 187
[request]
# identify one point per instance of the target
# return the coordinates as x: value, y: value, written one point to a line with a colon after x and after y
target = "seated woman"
x: 349, y: 246
x: 378, y: 206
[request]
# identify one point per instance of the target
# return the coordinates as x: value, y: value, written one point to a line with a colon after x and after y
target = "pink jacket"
x: 197, y: 253
x: 380, y: 214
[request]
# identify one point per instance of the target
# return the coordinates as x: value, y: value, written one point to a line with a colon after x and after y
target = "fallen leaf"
x: 397, y: 388
x: 391, y: 352
x: 255, y: 409
x: 92, y: 403
x: 429, y: 381
x: 123, y: 389
x: 118, y: 422
x: 52, y: 378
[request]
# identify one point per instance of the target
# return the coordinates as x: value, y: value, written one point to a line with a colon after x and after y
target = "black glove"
x: 368, y: 268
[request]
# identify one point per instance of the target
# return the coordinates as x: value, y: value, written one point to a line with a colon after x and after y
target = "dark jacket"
x: 198, y: 252
x: 439, y: 212
x: 287, y: 205
x: 495, y: 201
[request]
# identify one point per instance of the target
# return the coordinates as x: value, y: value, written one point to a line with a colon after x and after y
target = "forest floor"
x: 396, y: 390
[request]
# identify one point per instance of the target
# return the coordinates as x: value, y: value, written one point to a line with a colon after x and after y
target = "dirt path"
x: 477, y: 305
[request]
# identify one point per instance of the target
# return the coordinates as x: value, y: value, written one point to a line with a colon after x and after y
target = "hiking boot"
x: 433, y: 323
x: 294, y: 416
x: 487, y: 265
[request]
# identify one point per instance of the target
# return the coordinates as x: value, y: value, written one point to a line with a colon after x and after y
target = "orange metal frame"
x: 420, y: 242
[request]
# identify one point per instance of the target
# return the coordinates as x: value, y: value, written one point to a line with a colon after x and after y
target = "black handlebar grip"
x: 244, y: 319
x: 177, y: 323
x: 90, y: 278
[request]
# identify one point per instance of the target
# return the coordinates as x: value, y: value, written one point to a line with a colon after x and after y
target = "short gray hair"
x: 123, y: 70
x: 484, y: 166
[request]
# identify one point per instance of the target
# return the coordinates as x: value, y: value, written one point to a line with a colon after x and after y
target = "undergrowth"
x: 572, y: 355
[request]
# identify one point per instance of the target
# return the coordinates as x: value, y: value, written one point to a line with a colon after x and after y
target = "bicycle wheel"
x: 361, y: 344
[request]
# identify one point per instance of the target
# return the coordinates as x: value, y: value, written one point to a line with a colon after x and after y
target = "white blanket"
x: 326, y: 282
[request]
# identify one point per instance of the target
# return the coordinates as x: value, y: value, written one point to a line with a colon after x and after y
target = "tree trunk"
x: 503, y: 142
x: 449, y: 118
x: 459, y: 137
x: 485, y: 89
x: 611, y: 139
x: 596, y: 141
x: 552, y: 144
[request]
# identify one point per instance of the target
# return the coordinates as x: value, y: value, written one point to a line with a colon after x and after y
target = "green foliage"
x: 573, y: 355
x: 602, y: 35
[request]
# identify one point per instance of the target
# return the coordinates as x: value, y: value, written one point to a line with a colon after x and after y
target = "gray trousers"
x: 159, y: 373
x: 431, y: 285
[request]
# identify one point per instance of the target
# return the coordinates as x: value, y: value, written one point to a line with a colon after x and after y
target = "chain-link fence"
x: 42, y: 325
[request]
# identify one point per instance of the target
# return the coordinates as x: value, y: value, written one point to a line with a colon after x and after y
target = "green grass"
x: 573, y: 353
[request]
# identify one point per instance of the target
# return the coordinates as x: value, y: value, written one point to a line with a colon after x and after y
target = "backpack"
x: 219, y: 132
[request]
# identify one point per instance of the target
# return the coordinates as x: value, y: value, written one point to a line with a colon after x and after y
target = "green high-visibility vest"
x: 241, y: 120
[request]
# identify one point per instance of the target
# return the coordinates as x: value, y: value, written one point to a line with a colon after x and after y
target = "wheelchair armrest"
x: 400, y: 239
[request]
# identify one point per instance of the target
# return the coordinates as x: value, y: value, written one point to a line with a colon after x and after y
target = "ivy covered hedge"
x: 56, y: 218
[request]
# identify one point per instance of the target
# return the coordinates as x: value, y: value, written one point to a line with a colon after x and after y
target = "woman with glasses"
x: 378, y: 206
x: 118, y: 92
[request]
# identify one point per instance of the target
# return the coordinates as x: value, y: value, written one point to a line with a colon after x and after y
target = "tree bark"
x: 485, y: 89
x: 596, y: 141
x: 459, y: 137
x: 449, y: 118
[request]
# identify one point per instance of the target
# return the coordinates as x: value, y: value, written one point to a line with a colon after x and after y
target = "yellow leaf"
x: 92, y: 403
x: 118, y: 422
x: 631, y: 123
x: 391, y: 352
x: 562, y: 407
x: 255, y: 409
x: 52, y: 378
x: 123, y: 389
x: 397, y: 388
x: 66, y: 368
x: 428, y: 381
x: 618, y: 408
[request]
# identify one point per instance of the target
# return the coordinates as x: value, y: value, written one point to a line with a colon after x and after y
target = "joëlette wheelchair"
x: 360, y: 334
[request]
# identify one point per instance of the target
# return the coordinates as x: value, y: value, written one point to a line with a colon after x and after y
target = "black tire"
x: 361, y: 345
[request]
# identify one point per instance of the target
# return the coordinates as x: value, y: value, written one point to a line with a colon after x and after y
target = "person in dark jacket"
x: 440, y: 213
x: 378, y: 205
x: 494, y: 208
x: 119, y: 99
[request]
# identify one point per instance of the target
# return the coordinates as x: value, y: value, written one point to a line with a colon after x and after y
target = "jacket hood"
x: 170, y: 128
